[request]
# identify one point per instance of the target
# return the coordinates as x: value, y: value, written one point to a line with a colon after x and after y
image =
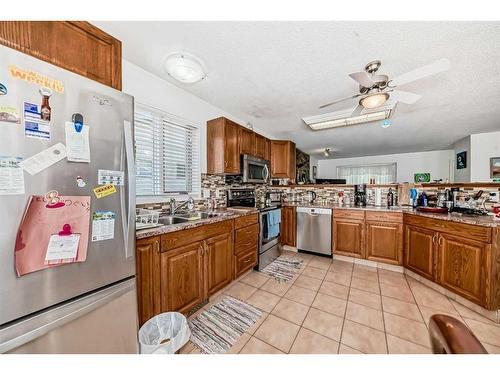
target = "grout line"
x: 345, y: 312
x: 383, y: 315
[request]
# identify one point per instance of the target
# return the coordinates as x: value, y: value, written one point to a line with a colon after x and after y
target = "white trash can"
x: 164, y: 334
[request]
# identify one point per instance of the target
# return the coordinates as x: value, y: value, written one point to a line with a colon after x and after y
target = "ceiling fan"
x: 375, y: 89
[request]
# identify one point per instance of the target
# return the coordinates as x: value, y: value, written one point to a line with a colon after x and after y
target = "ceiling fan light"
x: 374, y: 101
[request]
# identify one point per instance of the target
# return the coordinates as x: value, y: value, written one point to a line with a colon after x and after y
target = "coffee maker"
x: 360, y: 195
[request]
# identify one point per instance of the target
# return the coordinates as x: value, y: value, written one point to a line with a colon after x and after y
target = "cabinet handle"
x: 434, y: 238
x: 439, y: 241
x: 201, y: 249
x: 157, y: 246
x: 248, y: 260
x: 206, y: 247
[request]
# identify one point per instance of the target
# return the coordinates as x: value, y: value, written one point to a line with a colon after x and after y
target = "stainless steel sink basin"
x: 169, y: 220
x: 198, y: 215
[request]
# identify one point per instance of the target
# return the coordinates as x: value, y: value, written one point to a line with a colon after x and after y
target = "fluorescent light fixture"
x: 374, y: 100
x: 184, y: 67
x: 343, y: 118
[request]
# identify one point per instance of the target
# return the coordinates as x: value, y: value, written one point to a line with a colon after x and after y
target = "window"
x: 167, y: 154
x: 361, y: 174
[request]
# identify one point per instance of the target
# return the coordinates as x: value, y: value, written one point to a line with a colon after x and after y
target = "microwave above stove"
x: 255, y: 170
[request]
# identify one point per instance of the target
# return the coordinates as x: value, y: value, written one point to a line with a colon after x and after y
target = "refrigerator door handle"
x: 128, y: 197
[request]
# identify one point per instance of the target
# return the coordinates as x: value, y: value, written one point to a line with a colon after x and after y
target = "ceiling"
x: 272, y: 74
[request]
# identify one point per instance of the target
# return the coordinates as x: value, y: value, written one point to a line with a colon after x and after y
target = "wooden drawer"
x: 246, y: 238
x: 474, y: 232
x: 184, y: 237
x: 393, y: 217
x: 245, y: 261
x: 246, y: 220
x: 348, y: 214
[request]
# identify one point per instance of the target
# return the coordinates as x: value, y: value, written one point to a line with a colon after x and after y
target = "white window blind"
x: 167, y: 154
x: 361, y: 174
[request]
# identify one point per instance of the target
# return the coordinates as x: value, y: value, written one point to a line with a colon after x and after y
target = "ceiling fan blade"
x: 437, y: 66
x: 357, y: 111
x: 404, y: 96
x: 363, y: 78
x: 339, y: 100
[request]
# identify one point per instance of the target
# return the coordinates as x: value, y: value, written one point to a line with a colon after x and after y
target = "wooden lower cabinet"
x: 384, y: 242
x: 182, y: 277
x: 246, y: 244
x: 461, y: 266
x: 348, y: 237
x: 147, y: 253
x: 289, y: 226
x: 219, y: 262
x: 420, y: 251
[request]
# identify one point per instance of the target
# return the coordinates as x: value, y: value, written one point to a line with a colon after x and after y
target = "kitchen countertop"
x: 226, y: 214
x: 344, y: 207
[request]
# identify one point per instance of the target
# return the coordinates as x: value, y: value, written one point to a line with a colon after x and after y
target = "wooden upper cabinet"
x: 289, y: 226
x: 283, y: 161
x: 460, y: 266
x: 262, y: 146
x: 223, y: 155
x: 219, y: 262
x: 148, y: 277
x: 246, y: 141
x: 420, y: 250
x: 348, y: 237
x: 73, y: 45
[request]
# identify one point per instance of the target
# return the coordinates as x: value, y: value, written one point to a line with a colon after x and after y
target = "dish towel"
x: 273, y: 224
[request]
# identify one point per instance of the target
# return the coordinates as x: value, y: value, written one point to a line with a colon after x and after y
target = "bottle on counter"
x: 390, y: 198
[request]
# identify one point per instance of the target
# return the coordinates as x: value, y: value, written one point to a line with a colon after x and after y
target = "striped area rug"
x: 283, y: 268
x: 214, y: 331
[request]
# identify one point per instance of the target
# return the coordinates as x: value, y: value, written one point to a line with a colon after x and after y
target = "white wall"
x: 483, y: 147
x: 437, y: 163
x: 463, y: 175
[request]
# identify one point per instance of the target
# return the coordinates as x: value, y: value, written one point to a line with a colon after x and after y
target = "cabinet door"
x: 288, y: 226
x: 384, y: 242
x: 182, y: 278
x: 261, y: 147
x: 348, y: 237
x: 148, y: 277
x: 420, y: 249
x: 461, y: 266
x: 219, y: 262
x: 268, y: 149
x: 231, y: 148
x: 280, y: 154
x: 247, y: 141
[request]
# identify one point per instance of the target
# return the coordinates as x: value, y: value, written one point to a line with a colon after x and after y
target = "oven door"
x: 255, y: 170
x: 267, y: 240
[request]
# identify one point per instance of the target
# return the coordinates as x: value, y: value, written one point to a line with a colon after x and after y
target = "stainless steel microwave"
x: 255, y: 170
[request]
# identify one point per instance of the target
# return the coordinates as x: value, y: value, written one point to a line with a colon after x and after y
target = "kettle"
x: 311, y: 196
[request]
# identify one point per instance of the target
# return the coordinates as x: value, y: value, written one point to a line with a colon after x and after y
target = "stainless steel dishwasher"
x: 314, y: 230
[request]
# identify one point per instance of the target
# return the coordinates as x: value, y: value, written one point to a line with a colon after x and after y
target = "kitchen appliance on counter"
x: 274, y: 197
x: 310, y: 196
x: 314, y: 230
x: 360, y: 195
x: 74, y: 306
x: 255, y: 170
x: 269, y: 223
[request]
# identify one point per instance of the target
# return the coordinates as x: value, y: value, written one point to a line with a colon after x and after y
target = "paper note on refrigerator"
x: 44, y: 159
x: 34, y: 126
x: 11, y: 176
x: 103, y: 225
x: 77, y: 143
x: 62, y: 247
x: 107, y: 177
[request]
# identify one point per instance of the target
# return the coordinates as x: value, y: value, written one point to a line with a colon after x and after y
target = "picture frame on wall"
x: 462, y: 160
x: 495, y: 167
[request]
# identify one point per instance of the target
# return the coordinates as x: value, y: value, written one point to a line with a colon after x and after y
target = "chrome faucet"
x: 173, y: 209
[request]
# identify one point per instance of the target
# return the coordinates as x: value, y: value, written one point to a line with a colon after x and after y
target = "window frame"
x: 391, y: 164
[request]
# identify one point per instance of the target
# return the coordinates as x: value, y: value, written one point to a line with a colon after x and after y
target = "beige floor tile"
x: 465, y: 312
x: 277, y: 332
x: 251, y: 330
x: 491, y: 349
x: 407, y: 329
x: 365, y: 298
x: 276, y: 287
x: 332, y: 305
x: 365, y: 315
x: 363, y: 338
x: 313, y: 272
x: 401, y: 292
x: 263, y: 300
x: 390, y: 277
x: 339, y: 277
x: 401, y: 308
x: 255, y: 279
x: 488, y: 333
x: 256, y: 346
x: 301, y: 295
x: 344, y: 349
x: 400, y: 346
x: 427, y: 312
x: 187, y: 348
x: 366, y: 285
x: 334, y: 289
x: 341, y: 265
x: 308, y: 282
x: 238, y: 345
x: 326, y: 324
x: 241, y: 291
x: 292, y: 311
x: 309, y: 342
x: 365, y: 275
x: 363, y: 268
x: 425, y: 296
x: 320, y: 262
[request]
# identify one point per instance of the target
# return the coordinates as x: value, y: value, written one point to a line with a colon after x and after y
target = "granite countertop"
x: 344, y: 207
x: 485, y: 221
x: 225, y: 214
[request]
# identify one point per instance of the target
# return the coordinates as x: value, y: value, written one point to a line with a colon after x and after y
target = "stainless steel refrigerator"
x: 85, y: 307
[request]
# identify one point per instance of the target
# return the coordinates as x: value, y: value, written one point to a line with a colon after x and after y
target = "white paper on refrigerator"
x: 44, y: 159
x: 11, y: 176
x: 34, y: 126
x: 77, y: 143
x: 107, y: 177
x: 62, y: 247
x: 103, y: 225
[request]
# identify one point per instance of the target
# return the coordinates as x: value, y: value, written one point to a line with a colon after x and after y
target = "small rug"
x: 283, y: 268
x: 214, y: 331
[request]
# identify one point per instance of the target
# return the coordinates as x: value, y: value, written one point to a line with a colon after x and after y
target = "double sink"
x: 189, y: 217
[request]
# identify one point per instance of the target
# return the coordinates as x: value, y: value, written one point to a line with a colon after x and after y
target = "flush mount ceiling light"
x: 185, y: 68
x: 327, y: 152
x: 374, y: 100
